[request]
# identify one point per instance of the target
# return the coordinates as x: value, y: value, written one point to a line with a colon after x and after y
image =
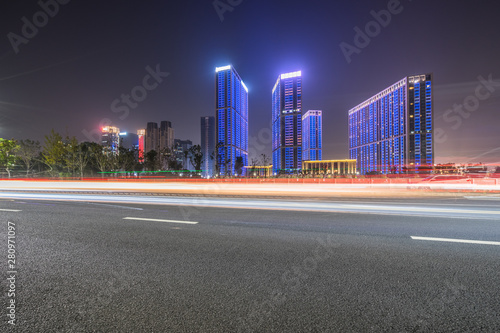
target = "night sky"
x: 91, y: 52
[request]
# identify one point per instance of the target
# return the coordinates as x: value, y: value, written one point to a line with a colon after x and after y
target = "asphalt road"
x: 107, y: 264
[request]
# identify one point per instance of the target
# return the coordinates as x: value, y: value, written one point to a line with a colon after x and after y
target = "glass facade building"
x: 110, y: 139
x: 207, y: 145
x: 312, y: 135
x: 231, y: 117
x: 287, y: 123
x: 392, y: 132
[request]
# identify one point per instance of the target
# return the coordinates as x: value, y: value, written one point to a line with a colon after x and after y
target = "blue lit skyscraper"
x: 392, y: 132
x: 311, y: 135
x: 208, y: 145
x: 287, y: 123
x: 231, y: 117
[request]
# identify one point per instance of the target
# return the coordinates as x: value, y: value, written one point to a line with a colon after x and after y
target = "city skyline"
x: 73, y: 90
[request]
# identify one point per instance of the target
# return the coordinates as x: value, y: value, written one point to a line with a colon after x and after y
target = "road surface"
x: 126, y: 263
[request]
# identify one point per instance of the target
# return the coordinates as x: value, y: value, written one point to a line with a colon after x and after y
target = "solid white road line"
x: 157, y: 220
x: 451, y: 240
x: 10, y: 210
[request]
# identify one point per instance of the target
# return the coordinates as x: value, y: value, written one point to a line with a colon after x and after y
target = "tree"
x: 220, y: 162
x: 53, y: 151
x: 151, y: 160
x: 71, y: 158
x: 83, y: 157
x: 253, y: 169
x: 28, y: 151
x: 8, y: 156
x: 196, y: 157
x: 100, y: 158
x: 265, y: 162
x: 238, y: 165
x: 126, y: 159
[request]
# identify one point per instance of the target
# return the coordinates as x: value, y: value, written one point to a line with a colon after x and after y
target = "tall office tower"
x: 392, y: 132
x: 166, y: 135
x: 312, y: 135
x: 180, y: 149
x: 140, y: 145
x: 151, y: 139
x: 208, y: 145
x: 287, y: 123
x: 110, y: 139
x: 231, y: 116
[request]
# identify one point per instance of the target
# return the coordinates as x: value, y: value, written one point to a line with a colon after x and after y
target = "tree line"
x: 60, y: 156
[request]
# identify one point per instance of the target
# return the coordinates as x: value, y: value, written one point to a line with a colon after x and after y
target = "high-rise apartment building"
x: 312, y: 135
x: 151, y: 138
x: 287, y: 123
x: 159, y: 138
x: 166, y: 135
x: 392, y: 132
x: 208, y: 145
x: 110, y: 139
x: 231, y: 116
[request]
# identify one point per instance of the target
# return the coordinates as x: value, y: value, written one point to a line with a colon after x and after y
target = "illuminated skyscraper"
x: 287, y: 123
x: 231, y: 117
x: 110, y: 139
x: 207, y: 145
x: 312, y: 135
x: 392, y: 132
x: 140, y: 145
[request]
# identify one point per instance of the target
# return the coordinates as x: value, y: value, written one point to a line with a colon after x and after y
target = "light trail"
x: 335, y: 207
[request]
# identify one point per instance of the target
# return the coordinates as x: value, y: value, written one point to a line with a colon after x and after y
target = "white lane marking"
x: 451, y: 240
x: 10, y: 210
x: 157, y: 220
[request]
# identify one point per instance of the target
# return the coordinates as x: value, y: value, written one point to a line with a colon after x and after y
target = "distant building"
x: 159, y: 138
x: 232, y: 120
x: 287, y: 123
x: 392, y: 132
x: 151, y: 138
x: 129, y: 140
x: 166, y: 135
x: 140, y: 145
x: 181, y: 147
x: 329, y: 167
x: 208, y: 145
x: 312, y: 125
x: 110, y: 139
